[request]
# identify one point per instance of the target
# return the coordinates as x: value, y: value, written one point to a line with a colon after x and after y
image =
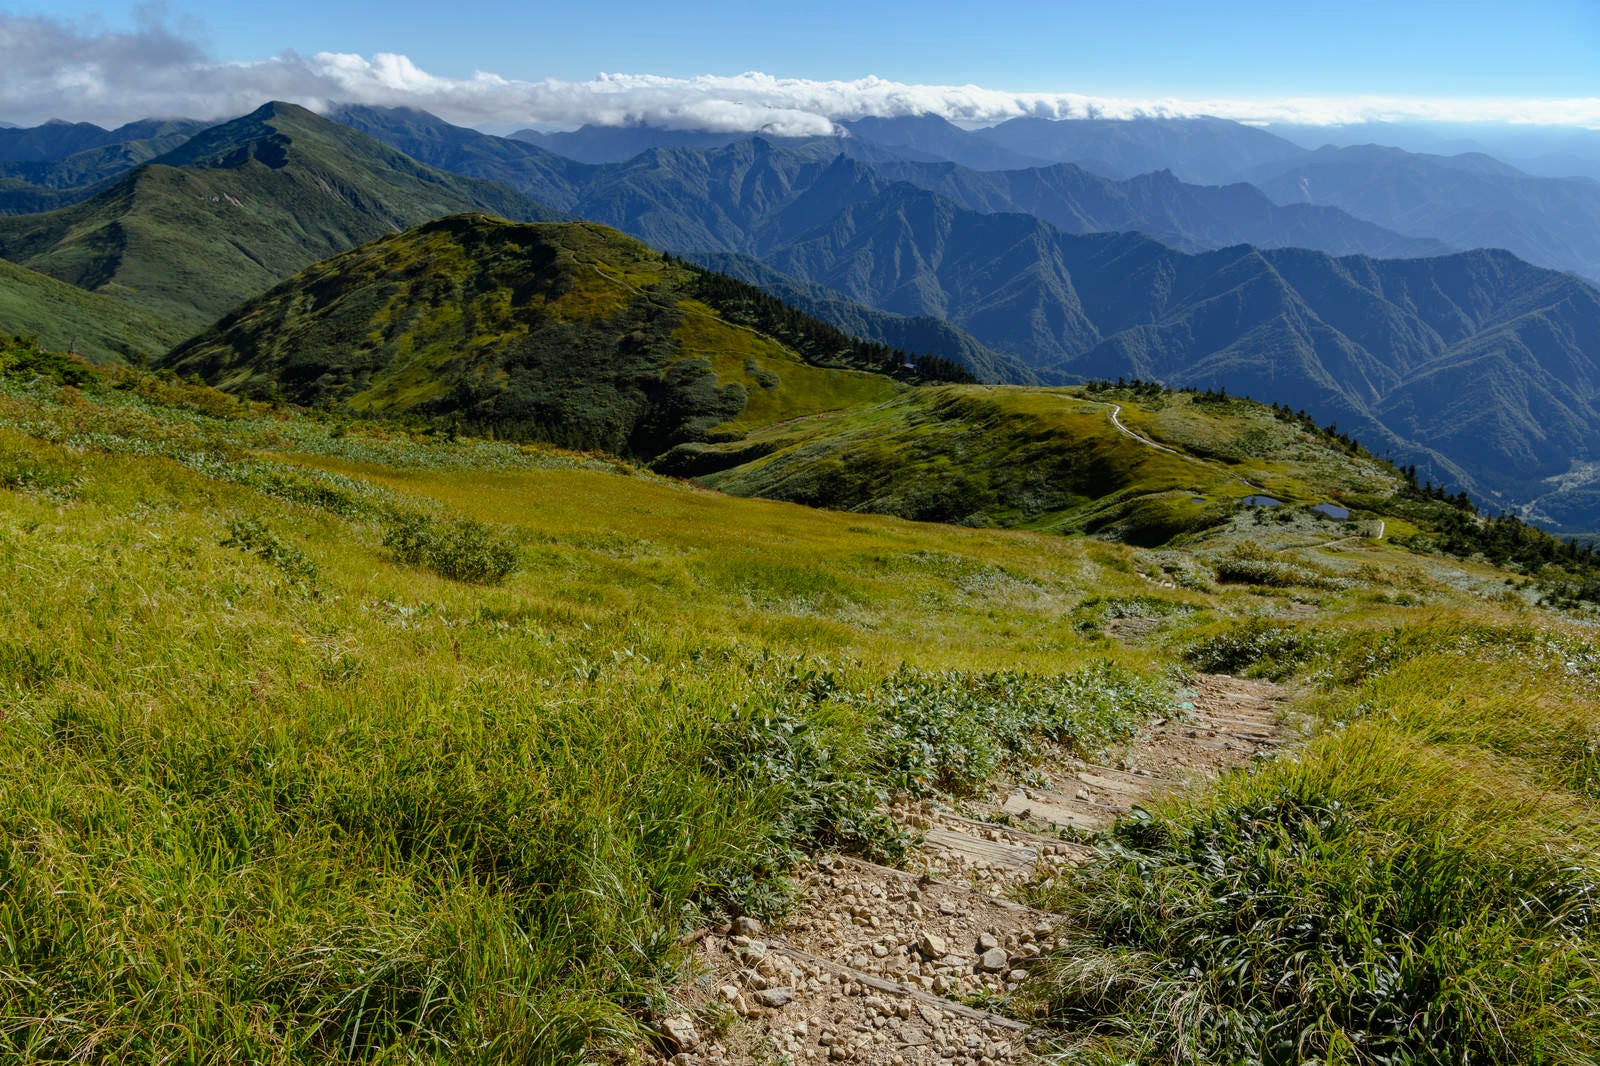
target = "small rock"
x: 947, y: 908
x: 746, y: 926
x: 679, y: 1032
x: 987, y: 942
x: 994, y: 960
x: 774, y: 997
x: 932, y: 946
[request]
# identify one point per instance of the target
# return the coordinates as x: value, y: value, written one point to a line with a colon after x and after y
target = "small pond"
x: 1262, y: 501
x: 1333, y: 511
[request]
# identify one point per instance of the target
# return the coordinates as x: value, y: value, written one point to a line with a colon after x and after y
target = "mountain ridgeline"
x: 238, y: 208
x: 1475, y: 367
x: 569, y: 333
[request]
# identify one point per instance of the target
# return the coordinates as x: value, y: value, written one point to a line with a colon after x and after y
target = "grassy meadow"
x: 324, y: 742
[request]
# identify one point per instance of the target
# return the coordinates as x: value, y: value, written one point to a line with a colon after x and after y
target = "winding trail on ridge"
x: 1116, y: 420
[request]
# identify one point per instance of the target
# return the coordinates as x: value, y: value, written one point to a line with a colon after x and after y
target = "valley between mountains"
x: 750, y: 602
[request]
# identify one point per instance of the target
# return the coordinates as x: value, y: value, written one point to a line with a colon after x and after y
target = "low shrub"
x: 1250, y: 564
x: 253, y: 536
x: 949, y: 731
x: 1258, y: 648
x: 463, y: 550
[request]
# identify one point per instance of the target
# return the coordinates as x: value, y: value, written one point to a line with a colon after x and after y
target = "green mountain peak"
x: 565, y: 332
x: 239, y: 208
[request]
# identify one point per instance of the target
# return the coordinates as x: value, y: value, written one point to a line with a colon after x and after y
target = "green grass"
x: 65, y: 317
x: 273, y: 794
x: 1419, y: 885
x: 272, y: 790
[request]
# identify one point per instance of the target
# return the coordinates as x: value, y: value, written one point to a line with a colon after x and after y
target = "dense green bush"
x: 253, y: 536
x: 463, y: 550
x: 1258, y: 648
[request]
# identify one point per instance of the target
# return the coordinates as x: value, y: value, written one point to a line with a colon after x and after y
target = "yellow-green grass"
x: 304, y: 804
x: 280, y: 798
x: 779, y: 384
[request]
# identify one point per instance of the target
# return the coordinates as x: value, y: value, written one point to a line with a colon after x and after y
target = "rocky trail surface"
x: 903, y: 967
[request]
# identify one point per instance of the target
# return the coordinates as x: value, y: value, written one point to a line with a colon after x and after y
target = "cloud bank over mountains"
x: 50, y: 68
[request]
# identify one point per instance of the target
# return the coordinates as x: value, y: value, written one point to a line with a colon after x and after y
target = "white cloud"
x: 50, y: 68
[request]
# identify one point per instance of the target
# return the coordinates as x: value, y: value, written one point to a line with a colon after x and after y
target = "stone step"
x: 895, y: 988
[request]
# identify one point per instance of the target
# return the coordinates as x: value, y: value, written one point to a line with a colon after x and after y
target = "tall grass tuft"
x: 1408, y: 889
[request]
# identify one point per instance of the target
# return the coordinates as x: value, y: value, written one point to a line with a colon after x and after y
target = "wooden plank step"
x: 895, y: 988
x: 1138, y: 789
x: 1206, y: 737
x: 1056, y: 809
x: 1255, y: 738
x: 1248, y: 714
x: 1127, y: 777
x: 984, y: 852
x: 1246, y: 724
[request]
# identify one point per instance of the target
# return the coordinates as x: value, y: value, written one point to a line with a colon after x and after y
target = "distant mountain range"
x: 1207, y: 151
x: 1479, y: 368
x: 58, y: 163
x: 1363, y: 342
x: 1469, y: 201
x: 743, y: 195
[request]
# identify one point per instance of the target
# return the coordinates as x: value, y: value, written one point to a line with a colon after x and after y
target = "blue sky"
x: 1348, y: 61
x: 1467, y: 47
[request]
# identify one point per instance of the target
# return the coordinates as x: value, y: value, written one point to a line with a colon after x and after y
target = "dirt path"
x: 1116, y: 420
x: 900, y: 967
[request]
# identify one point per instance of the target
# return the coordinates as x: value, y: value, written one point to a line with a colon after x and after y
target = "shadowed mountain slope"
x: 566, y: 332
